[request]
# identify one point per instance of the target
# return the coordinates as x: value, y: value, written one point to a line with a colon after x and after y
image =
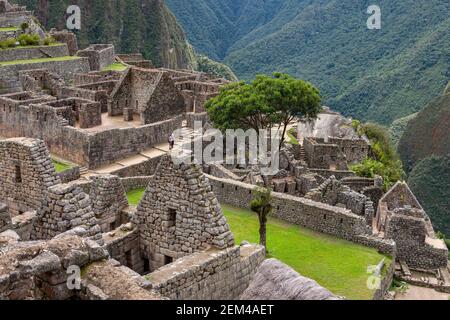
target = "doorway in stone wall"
x: 172, y: 217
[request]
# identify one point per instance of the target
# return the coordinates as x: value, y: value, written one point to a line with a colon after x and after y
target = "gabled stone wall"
x: 179, y: 215
x: 108, y: 199
x: 27, y: 172
x: 66, y: 207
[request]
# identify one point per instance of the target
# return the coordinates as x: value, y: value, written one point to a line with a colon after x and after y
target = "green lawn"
x: 116, y: 66
x: 9, y: 29
x: 336, y: 264
x: 56, y: 44
x: 292, y: 139
x: 134, y: 196
x: 61, y: 166
x: 66, y: 58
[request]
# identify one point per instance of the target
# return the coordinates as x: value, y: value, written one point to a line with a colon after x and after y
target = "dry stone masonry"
x: 179, y: 214
x: 112, y: 128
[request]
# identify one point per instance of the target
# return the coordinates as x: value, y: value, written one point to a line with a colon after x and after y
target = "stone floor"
x: 116, y: 122
x: 420, y: 293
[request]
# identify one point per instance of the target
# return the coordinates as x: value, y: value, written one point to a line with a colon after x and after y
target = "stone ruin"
x: 123, y: 252
x: 401, y: 218
x: 80, y: 107
x: 112, y: 127
x: 180, y: 215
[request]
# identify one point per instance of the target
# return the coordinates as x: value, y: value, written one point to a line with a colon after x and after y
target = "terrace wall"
x: 108, y: 146
x: 99, y: 55
x: 89, y: 149
x: 14, y: 19
x: 9, y: 74
x: 215, y: 275
x: 324, y: 218
x: 25, y: 53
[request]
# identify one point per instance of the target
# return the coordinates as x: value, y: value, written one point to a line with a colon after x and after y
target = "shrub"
x: 390, y: 172
x: 8, y: 43
x: 24, y: 26
x: 385, y: 161
x: 29, y: 39
x: 49, y: 40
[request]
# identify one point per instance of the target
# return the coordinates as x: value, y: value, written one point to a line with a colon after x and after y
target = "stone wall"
x: 355, y: 150
x: 89, y: 149
x: 145, y: 168
x: 65, y: 207
x: 27, y: 172
x: 38, y: 52
x: 123, y: 246
x: 179, y: 215
x: 70, y: 174
x: 131, y: 183
x: 150, y: 93
x: 322, y: 155
x: 14, y: 19
x: 191, y: 118
x: 414, y: 246
x: 108, y: 200
x: 320, y: 217
x: 9, y: 79
x: 43, y: 122
x: 66, y: 37
x: 108, y: 146
x: 5, y: 218
x: 210, y: 275
x: 100, y: 56
x: 37, y: 270
x: 403, y: 220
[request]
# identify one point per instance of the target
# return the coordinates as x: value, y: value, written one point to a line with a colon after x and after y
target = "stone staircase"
x: 302, y: 154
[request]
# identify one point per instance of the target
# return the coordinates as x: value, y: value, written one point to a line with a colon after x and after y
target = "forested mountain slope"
x: 146, y: 26
x: 378, y: 75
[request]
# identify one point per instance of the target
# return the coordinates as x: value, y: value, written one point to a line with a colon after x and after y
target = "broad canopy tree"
x: 265, y: 103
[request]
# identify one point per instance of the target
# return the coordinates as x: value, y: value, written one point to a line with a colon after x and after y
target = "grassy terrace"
x: 336, y: 264
x: 116, y: 66
x: 9, y: 29
x: 135, y: 196
x: 56, y: 44
x: 30, y: 61
x: 61, y: 166
x: 292, y: 139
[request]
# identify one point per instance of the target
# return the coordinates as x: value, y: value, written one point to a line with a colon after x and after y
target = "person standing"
x: 171, y: 141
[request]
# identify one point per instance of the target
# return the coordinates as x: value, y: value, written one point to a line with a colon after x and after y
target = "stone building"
x: 179, y: 214
x: 149, y: 94
x: 27, y: 173
x: 400, y: 217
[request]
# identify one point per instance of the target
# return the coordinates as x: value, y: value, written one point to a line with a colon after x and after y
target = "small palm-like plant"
x: 262, y: 206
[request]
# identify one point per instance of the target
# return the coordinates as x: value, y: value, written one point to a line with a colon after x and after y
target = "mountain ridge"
x: 377, y: 75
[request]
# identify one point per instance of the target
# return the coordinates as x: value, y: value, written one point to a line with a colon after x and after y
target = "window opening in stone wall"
x: 167, y: 260
x: 18, y: 174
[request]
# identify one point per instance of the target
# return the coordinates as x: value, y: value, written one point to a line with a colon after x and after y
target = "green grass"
x: 134, y: 196
x: 37, y: 46
x: 292, y: 139
x: 116, y: 66
x: 61, y: 166
x: 336, y: 264
x: 66, y: 58
x: 9, y: 29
